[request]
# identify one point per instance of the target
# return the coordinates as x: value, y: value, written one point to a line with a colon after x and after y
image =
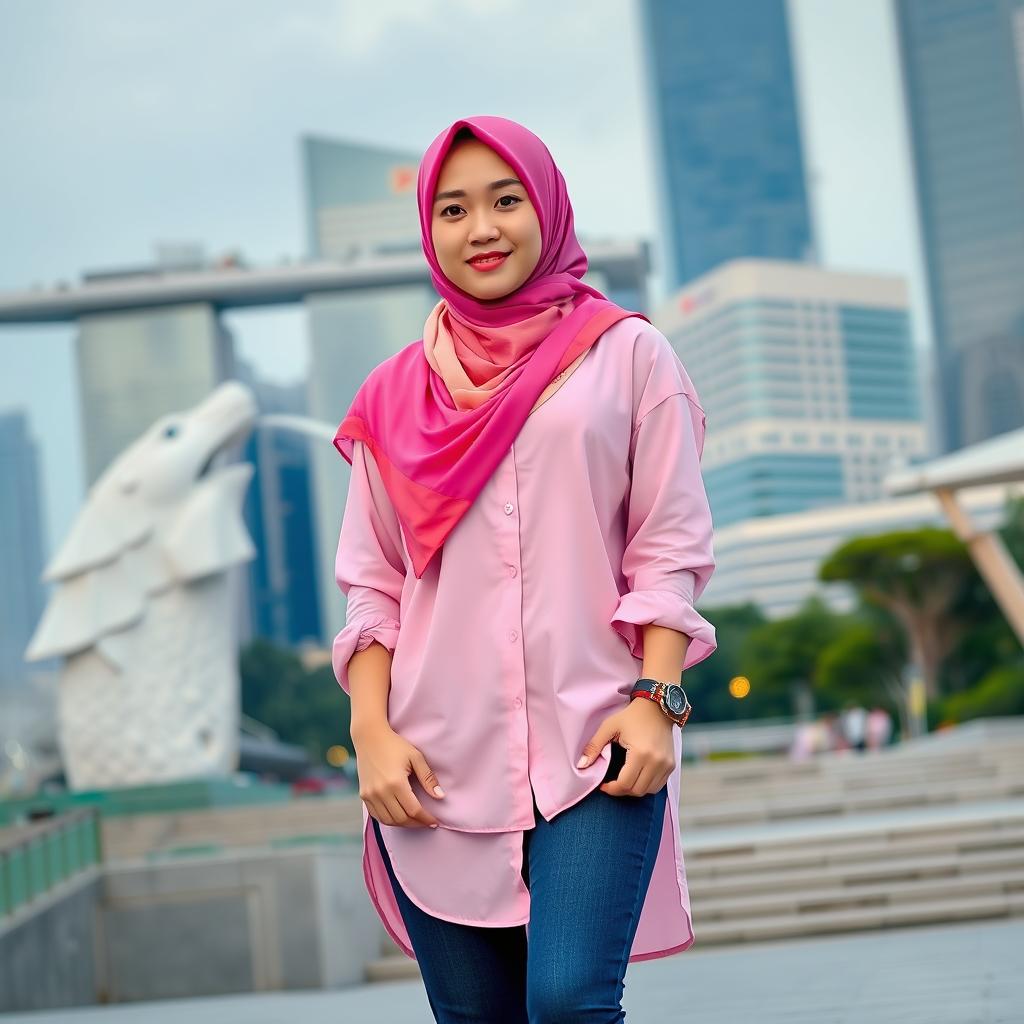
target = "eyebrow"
x: 458, y: 193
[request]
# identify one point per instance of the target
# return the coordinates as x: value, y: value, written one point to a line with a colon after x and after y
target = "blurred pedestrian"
x: 879, y: 728
x: 854, y: 723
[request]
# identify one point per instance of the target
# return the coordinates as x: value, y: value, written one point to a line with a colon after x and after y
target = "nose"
x: 482, y: 226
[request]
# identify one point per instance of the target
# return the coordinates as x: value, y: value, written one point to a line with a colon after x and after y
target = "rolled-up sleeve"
x: 668, y: 558
x: 369, y: 567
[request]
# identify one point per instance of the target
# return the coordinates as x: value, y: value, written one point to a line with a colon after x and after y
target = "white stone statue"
x: 145, y: 608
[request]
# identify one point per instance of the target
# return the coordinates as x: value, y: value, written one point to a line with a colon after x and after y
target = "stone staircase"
x: 713, y: 795
x: 927, y: 832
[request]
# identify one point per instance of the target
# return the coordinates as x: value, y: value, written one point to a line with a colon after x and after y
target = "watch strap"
x: 653, y: 689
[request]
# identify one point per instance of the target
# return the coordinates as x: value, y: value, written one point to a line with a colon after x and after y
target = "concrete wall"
x: 237, y: 922
x: 47, y: 948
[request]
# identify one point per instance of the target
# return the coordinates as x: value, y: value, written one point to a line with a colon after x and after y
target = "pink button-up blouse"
x: 525, y: 630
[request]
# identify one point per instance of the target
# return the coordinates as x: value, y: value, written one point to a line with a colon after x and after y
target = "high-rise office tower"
x: 723, y: 119
x: 284, y: 578
x: 809, y: 382
x: 22, y: 558
x: 963, y: 79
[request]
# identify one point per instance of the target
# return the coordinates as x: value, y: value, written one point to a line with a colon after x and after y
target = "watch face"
x: 675, y: 699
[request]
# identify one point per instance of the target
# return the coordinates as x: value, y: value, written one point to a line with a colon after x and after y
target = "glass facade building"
x: 809, y: 381
x: 283, y: 593
x: 724, y: 126
x: 22, y: 595
x: 963, y: 79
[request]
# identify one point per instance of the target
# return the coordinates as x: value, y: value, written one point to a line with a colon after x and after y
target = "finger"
x: 607, y: 731
x: 378, y: 811
x: 644, y: 780
x: 631, y: 769
x: 414, y: 808
x: 425, y: 775
x: 621, y: 785
x: 396, y: 810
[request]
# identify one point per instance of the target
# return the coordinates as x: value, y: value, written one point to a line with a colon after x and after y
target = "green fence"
x: 37, y: 857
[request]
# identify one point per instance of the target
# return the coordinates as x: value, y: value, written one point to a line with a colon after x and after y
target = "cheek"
x: 443, y: 248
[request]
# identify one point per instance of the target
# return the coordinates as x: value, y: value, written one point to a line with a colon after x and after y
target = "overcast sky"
x: 130, y: 122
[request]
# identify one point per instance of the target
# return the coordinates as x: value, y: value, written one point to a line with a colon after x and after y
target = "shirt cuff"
x: 663, y: 608
x: 357, y: 636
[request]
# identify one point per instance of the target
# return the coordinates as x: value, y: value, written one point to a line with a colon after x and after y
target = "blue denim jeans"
x: 588, y: 870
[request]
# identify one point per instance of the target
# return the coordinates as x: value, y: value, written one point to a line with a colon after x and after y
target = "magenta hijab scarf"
x: 434, y: 453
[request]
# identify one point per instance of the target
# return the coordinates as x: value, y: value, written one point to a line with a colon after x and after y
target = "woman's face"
x: 482, y: 219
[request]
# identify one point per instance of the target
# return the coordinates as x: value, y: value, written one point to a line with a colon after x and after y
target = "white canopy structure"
x: 997, y: 460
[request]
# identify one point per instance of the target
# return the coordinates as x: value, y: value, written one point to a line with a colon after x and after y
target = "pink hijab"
x: 441, y: 414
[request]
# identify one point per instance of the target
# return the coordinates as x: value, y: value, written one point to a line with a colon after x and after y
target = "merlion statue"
x: 145, y: 611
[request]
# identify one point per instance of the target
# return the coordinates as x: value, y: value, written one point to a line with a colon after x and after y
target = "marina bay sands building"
x: 152, y: 339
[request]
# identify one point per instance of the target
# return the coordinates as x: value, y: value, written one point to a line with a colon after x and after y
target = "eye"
x: 455, y: 206
x: 171, y: 430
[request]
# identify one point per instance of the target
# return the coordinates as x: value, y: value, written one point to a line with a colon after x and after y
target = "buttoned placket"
x: 511, y: 629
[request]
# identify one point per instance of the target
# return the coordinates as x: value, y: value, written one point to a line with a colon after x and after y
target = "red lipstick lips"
x: 488, y: 260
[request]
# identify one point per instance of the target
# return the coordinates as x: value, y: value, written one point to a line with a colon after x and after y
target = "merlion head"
x: 166, y: 512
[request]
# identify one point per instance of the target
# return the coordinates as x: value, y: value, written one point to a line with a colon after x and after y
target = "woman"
x: 525, y: 533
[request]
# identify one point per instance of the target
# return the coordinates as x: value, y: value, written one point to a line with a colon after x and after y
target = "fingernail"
x: 438, y: 791
x: 433, y: 826
x: 582, y: 762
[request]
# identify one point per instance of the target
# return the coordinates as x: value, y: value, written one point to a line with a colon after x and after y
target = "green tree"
x: 919, y: 576
x: 988, y: 642
x: 865, y: 663
x: 303, y: 706
x: 1001, y: 692
x: 781, y: 657
x: 707, y: 684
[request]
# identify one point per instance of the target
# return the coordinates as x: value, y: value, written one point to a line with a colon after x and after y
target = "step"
x: 964, y: 820
x: 928, y: 780
x: 856, y: 919
x: 857, y: 874
x: 838, y: 897
x: 392, y: 968
x: 840, y: 804
x: 814, y: 852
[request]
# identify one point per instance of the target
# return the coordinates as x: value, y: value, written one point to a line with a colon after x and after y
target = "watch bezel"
x: 673, y: 693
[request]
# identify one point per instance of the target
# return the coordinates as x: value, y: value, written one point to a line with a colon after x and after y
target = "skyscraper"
x: 723, y: 117
x: 809, y: 381
x: 963, y: 79
x: 21, y: 547
x: 284, y: 578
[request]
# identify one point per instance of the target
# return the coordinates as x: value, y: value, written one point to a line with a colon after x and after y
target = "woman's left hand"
x: 646, y: 733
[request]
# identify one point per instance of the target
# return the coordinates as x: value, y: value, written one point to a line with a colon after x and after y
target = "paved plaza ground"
x: 970, y: 973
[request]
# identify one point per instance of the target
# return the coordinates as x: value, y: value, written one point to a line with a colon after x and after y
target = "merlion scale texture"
x: 144, y: 609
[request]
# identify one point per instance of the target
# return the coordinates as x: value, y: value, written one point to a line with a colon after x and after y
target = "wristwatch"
x: 671, y: 697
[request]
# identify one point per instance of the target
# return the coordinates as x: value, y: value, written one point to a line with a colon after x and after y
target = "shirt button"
x: 512, y: 570
x: 512, y: 634
x: 518, y: 703
x: 508, y: 508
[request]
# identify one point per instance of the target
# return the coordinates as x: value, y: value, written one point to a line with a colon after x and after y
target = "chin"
x: 496, y: 291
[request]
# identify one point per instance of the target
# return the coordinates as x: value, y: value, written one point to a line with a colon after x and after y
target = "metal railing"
x: 38, y: 856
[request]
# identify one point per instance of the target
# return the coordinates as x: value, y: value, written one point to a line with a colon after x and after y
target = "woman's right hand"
x: 384, y: 760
